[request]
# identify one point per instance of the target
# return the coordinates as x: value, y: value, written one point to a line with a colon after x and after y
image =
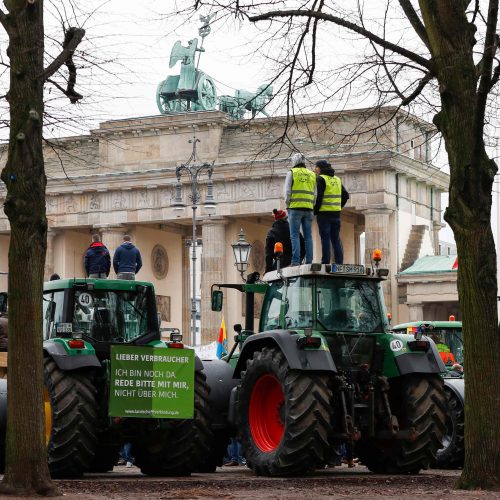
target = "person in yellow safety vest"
x: 332, y: 196
x: 300, y: 197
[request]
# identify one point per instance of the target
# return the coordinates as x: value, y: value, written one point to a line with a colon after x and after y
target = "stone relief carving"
x: 51, y: 203
x: 144, y: 199
x: 163, y: 307
x: 119, y: 200
x: 95, y: 202
x: 222, y: 191
x: 247, y: 190
x: 70, y: 204
x: 273, y: 188
x: 159, y: 262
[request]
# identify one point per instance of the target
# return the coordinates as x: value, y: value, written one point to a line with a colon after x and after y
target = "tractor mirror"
x: 3, y: 302
x: 217, y: 299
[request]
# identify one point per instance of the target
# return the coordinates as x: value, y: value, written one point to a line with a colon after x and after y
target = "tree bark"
x: 452, y: 40
x: 27, y: 470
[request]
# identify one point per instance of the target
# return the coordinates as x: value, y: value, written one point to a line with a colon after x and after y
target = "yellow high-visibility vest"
x: 332, y: 195
x: 302, y: 195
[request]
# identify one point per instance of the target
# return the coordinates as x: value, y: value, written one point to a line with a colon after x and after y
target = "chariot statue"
x: 194, y: 90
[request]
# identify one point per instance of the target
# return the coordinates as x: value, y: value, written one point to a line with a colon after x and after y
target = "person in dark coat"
x: 127, y: 260
x: 97, y: 259
x: 280, y: 232
x: 331, y: 198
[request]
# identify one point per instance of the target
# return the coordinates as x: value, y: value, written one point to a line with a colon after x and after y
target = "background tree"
x: 424, y: 55
x: 26, y: 456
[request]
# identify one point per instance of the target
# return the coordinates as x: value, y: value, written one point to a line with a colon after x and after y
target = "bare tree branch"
x: 490, y: 47
x: 71, y: 40
x: 418, y: 90
x: 350, y: 26
x: 415, y: 21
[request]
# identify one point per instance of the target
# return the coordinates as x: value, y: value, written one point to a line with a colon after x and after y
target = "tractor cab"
x: 100, y: 312
x: 447, y: 335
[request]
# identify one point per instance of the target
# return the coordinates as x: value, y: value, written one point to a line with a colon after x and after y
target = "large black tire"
x: 418, y: 401
x: 179, y: 447
x: 284, y: 416
x: 452, y: 453
x: 73, y: 430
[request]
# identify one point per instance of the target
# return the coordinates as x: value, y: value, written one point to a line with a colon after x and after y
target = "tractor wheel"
x: 180, y: 447
x: 418, y: 401
x: 70, y: 421
x: 284, y: 416
x: 452, y: 453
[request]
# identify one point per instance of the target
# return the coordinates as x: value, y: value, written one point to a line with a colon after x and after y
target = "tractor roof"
x: 98, y: 284
x: 328, y: 270
x: 435, y: 324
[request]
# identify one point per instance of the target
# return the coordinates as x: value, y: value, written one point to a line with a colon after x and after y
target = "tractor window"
x: 348, y: 305
x: 111, y: 316
x: 449, y: 340
x: 270, y: 317
x: 298, y: 305
x: 53, y: 304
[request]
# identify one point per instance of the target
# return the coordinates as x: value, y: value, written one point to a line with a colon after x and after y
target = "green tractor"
x: 447, y: 336
x: 323, y: 369
x: 110, y: 379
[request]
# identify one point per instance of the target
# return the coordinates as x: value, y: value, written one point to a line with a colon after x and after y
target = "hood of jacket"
x: 328, y: 171
x: 128, y: 245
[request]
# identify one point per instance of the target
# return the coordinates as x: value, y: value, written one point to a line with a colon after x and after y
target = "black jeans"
x: 329, y: 232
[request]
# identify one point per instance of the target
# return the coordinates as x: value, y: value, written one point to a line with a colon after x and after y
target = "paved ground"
x: 239, y: 483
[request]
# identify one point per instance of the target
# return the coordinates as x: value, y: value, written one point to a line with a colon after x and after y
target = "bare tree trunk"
x: 27, y: 471
x: 461, y: 121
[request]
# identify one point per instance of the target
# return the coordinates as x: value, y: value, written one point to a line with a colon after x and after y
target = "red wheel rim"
x: 266, y: 403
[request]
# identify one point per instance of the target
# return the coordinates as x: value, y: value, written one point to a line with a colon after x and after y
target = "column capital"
x: 110, y: 228
x: 208, y: 220
x: 378, y: 211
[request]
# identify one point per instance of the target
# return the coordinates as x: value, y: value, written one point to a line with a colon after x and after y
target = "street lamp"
x: 194, y: 171
x: 241, y: 250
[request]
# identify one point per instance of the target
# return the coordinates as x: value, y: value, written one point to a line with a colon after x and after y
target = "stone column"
x: 212, y: 271
x: 416, y: 311
x: 49, y: 256
x: 112, y: 237
x: 436, y: 227
x: 377, y: 235
x: 358, y: 231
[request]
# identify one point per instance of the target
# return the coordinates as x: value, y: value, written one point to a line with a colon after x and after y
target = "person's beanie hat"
x: 323, y: 165
x: 297, y: 159
x: 279, y: 214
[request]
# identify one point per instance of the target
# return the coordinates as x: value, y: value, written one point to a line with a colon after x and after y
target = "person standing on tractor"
x: 300, y: 197
x: 280, y: 233
x: 331, y: 198
x: 127, y: 260
x: 97, y: 259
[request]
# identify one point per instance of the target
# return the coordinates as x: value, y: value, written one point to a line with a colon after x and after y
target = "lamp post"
x: 194, y: 171
x: 241, y: 250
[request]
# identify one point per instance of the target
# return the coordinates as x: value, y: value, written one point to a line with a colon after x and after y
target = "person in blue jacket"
x: 127, y: 260
x: 97, y: 259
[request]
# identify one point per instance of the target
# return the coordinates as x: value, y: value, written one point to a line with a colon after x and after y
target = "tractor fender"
x: 457, y: 386
x: 220, y: 380
x: 286, y: 341
x: 429, y: 362
x: 66, y: 362
x: 198, y: 364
